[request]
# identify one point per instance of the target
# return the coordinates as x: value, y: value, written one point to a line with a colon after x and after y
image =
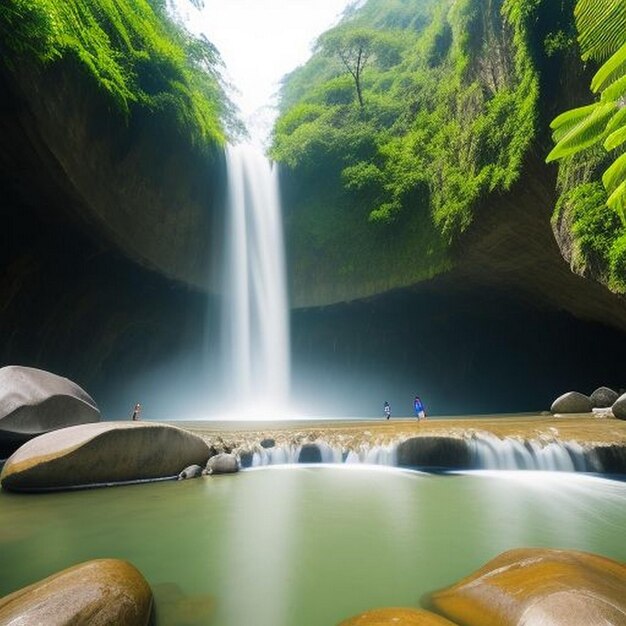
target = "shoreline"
x: 585, y: 429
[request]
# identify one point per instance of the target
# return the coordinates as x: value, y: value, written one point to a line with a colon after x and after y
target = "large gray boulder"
x: 33, y: 402
x: 603, y: 398
x: 572, y: 402
x: 101, y: 454
x: 619, y: 407
x: 223, y: 463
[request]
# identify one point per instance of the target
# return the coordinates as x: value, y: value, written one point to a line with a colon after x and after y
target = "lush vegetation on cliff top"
x: 442, y: 111
x: 132, y: 50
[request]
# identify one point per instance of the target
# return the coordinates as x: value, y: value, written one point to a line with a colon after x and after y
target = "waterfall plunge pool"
x: 306, y: 545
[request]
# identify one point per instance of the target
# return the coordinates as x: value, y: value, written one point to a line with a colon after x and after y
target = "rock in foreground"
x: 538, y: 586
x: 397, y: 617
x: 572, y: 402
x: 107, y: 592
x: 223, y: 463
x: 105, y: 453
x: 33, y: 402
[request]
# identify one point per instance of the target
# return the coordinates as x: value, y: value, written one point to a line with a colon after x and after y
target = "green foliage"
x: 602, y: 33
x: 132, y: 50
x: 446, y: 115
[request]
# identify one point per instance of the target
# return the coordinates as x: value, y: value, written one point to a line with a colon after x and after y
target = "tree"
x: 601, y: 28
x: 354, y: 48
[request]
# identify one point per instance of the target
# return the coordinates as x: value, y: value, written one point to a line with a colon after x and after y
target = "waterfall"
x: 482, y: 451
x: 255, y: 322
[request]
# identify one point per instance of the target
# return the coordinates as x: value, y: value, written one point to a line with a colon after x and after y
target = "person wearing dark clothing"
x: 136, y: 412
x: 387, y: 410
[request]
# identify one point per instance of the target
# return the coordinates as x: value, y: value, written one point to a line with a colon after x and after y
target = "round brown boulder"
x: 101, y: 454
x: 106, y: 592
x: 572, y: 402
x: 397, y: 617
x: 33, y: 402
x: 533, y: 586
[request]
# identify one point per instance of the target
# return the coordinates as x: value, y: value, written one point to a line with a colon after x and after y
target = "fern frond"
x: 584, y: 134
x: 617, y: 121
x: 562, y: 124
x: 610, y: 71
x: 602, y: 27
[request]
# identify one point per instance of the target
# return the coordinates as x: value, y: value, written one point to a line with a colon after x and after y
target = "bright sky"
x: 261, y: 40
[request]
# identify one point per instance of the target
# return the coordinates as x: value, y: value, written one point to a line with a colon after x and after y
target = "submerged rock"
x: 105, y: 453
x: 193, y: 471
x: 532, y: 586
x: 224, y: 463
x: 603, y: 398
x: 572, y: 402
x: 619, y: 407
x: 397, y: 617
x: 33, y: 402
x: 107, y: 592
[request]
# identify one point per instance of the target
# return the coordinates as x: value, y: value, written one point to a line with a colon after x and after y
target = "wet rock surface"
x: 533, y: 586
x: 572, y: 402
x: 223, y: 463
x: 105, y: 453
x: 397, y: 617
x: 619, y: 408
x: 33, y: 402
x: 103, y: 592
x: 193, y: 471
x: 444, y: 452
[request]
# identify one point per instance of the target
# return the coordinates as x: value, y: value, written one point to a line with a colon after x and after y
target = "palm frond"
x: 615, y: 91
x: 617, y: 121
x: 585, y: 133
x: 615, y: 139
x: 617, y: 200
x: 562, y: 124
x: 615, y: 175
x: 610, y: 71
x: 602, y: 27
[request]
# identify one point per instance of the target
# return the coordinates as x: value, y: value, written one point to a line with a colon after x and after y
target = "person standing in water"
x: 387, y: 410
x: 136, y: 412
x: 418, y: 406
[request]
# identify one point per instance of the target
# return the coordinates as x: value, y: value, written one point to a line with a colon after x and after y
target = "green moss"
x: 132, y: 50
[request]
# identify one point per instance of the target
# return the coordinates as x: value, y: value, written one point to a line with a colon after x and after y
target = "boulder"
x: 310, y: 453
x: 572, y: 402
x: 99, y: 454
x: 524, y: 587
x: 397, y: 617
x: 104, y: 592
x: 33, y: 402
x: 603, y: 398
x: 193, y: 471
x: 224, y: 463
x: 268, y: 442
x: 443, y: 452
x: 619, y: 407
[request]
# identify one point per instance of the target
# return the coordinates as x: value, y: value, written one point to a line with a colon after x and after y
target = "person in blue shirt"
x: 418, y: 406
x: 387, y: 410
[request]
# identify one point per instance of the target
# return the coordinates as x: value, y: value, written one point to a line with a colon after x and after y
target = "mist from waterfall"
x: 255, y: 320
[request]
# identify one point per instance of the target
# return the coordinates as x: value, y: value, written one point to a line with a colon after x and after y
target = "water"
x: 304, y: 545
x: 255, y: 318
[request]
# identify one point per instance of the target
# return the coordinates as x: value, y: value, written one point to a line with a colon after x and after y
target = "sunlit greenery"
x: 132, y: 50
x: 447, y: 110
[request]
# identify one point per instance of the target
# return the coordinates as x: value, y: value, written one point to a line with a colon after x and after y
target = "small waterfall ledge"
x: 478, y: 450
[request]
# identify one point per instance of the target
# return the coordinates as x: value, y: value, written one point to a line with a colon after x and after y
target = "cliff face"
x: 136, y: 185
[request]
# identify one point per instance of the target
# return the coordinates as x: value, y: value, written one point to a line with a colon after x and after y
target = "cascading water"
x: 255, y: 321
